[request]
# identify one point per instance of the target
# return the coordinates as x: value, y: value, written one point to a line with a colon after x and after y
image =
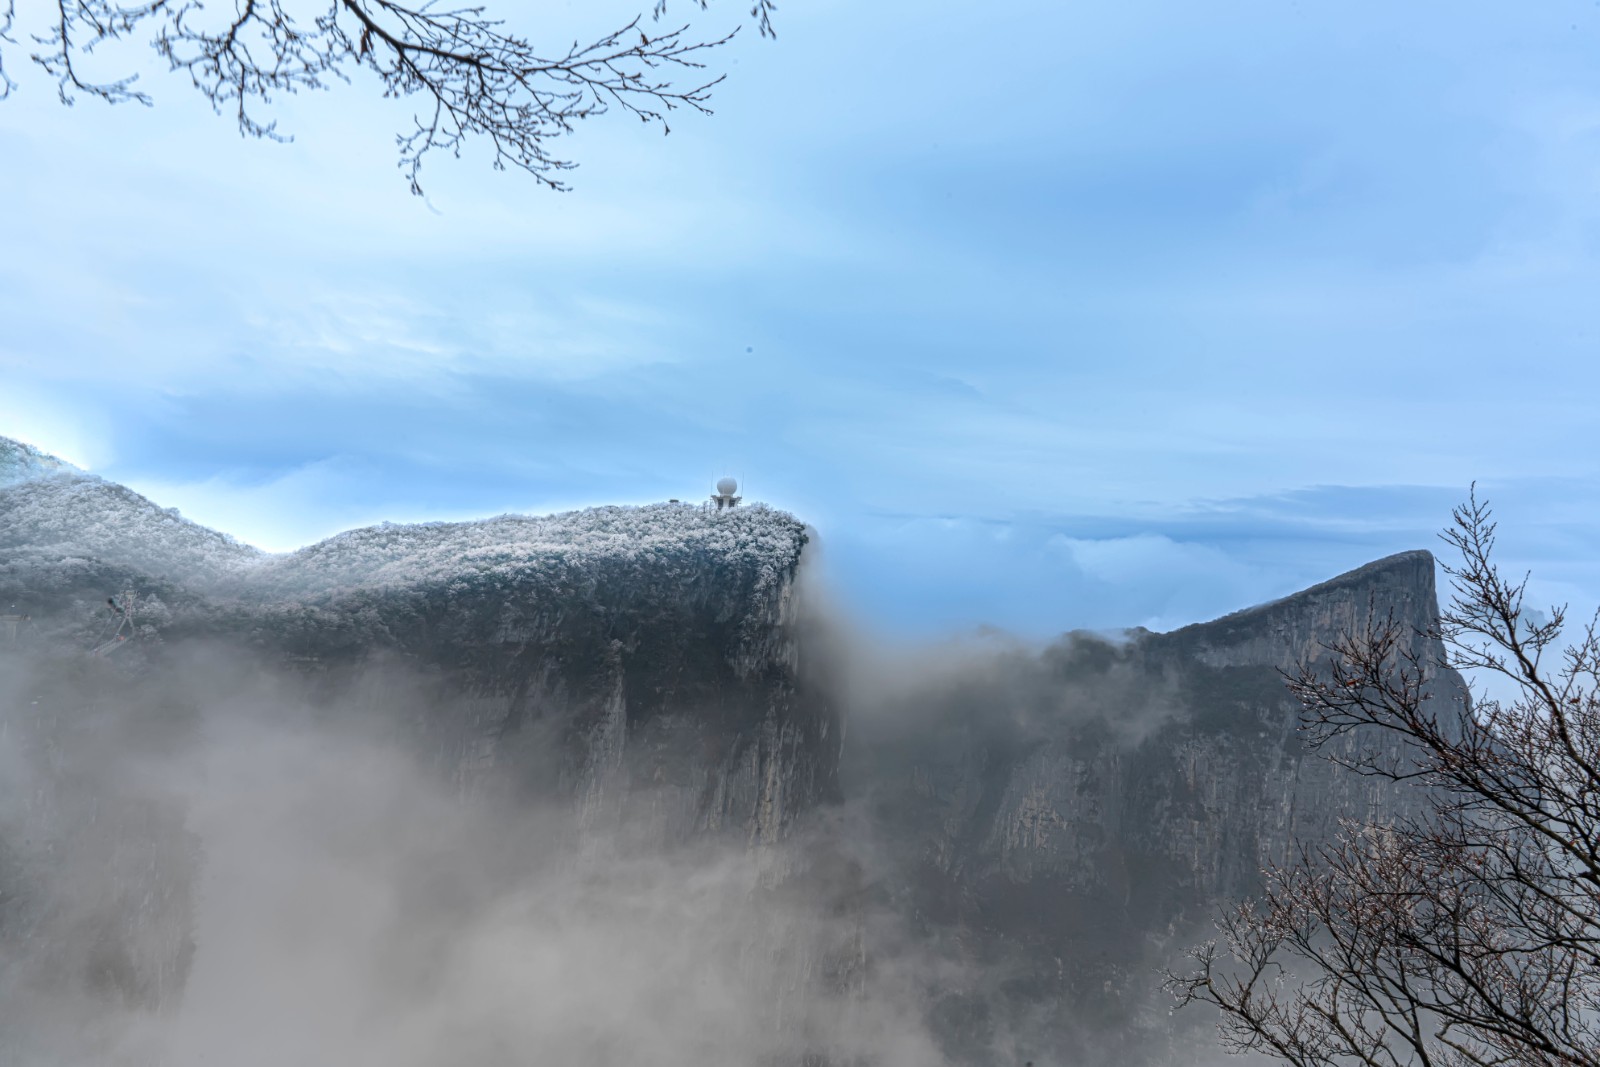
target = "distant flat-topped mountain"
x: 1042, y: 829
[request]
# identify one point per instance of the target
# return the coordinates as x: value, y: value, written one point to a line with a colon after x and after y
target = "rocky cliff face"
x: 1295, y: 629
x: 589, y: 653
x: 1068, y: 823
x: 642, y: 663
x: 1015, y: 846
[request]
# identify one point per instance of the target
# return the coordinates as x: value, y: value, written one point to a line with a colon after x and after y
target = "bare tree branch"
x: 474, y: 79
x: 79, y: 26
x: 8, y: 15
x: 761, y: 11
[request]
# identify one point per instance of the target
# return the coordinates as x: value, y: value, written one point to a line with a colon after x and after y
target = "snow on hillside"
x: 81, y: 516
x: 20, y: 463
x: 49, y: 518
x: 761, y: 539
x: 53, y: 515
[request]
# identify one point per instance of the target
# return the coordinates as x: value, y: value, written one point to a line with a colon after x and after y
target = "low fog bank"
x: 990, y: 774
x: 1059, y: 822
x: 209, y: 856
x: 206, y: 863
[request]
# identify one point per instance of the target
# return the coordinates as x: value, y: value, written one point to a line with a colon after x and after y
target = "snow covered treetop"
x: 20, y: 463
x: 51, y: 511
x: 79, y: 515
x: 761, y: 538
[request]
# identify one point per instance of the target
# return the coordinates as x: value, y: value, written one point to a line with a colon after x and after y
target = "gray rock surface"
x: 1069, y: 823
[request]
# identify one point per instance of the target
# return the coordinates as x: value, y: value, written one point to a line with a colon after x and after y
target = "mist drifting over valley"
x: 617, y: 786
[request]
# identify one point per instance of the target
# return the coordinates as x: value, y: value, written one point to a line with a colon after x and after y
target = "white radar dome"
x: 727, y: 486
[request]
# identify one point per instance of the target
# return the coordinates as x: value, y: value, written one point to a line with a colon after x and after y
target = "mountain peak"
x: 1414, y: 566
x: 1296, y: 627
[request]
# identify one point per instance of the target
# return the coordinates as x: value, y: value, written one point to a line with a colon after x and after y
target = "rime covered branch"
x: 472, y: 78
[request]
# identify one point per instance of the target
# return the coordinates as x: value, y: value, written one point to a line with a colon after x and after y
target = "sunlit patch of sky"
x: 1045, y: 315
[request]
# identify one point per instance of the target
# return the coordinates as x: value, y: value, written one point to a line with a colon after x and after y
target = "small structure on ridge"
x: 726, y: 494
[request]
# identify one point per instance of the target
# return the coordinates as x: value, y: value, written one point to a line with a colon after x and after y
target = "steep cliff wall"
x: 643, y: 662
x: 1067, y: 823
x: 625, y: 656
x: 1295, y: 629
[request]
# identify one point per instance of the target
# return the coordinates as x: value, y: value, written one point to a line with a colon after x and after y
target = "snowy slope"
x: 20, y: 462
x: 757, y: 538
x: 56, y: 519
x: 80, y: 516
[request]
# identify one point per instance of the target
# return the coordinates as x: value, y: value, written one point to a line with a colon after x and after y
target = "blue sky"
x: 1046, y: 315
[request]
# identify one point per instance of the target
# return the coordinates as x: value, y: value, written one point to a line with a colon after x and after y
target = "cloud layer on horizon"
x: 1008, y: 338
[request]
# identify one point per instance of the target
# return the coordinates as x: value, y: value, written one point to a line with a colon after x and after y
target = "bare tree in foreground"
x: 474, y: 80
x: 1469, y: 934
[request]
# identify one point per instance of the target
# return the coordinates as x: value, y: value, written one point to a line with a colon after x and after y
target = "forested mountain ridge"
x: 20, y: 462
